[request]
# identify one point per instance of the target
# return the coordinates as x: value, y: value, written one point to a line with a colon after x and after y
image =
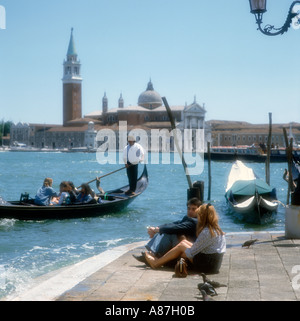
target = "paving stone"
x: 262, y: 272
x: 267, y: 271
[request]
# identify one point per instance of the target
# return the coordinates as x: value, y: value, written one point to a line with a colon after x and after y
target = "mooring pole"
x: 209, y: 170
x: 289, y: 155
x: 269, y: 150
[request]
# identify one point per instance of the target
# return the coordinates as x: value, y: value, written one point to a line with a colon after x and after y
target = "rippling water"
x: 30, y: 249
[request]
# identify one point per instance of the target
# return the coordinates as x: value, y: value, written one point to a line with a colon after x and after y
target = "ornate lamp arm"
x: 270, y: 30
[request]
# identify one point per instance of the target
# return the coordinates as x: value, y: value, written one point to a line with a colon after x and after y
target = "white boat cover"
x: 239, y: 172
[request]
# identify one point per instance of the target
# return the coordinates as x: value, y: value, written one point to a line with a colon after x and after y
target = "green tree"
x: 4, y: 129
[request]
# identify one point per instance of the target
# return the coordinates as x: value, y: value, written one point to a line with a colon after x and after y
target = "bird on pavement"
x: 208, y: 288
x: 249, y: 243
x: 205, y: 297
x: 215, y: 284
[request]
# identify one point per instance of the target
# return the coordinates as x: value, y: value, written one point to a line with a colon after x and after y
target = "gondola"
x: 250, y: 197
x: 112, y: 201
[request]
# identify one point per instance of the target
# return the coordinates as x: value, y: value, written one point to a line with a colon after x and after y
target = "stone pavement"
x: 267, y: 271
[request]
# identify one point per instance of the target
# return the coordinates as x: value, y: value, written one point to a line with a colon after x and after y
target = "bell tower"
x: 72, y: 81
x: 104, y: 104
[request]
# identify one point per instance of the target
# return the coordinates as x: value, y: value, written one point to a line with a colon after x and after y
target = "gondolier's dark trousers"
x: 132, y: 173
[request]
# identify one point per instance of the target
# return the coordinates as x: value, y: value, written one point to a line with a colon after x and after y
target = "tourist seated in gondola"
x: 206, y: 253
x: 86, y: 195
x: 63, y: 197
x: 45, y: 193
x: 73, y: 192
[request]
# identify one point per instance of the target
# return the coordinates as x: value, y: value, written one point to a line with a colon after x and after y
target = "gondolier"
x: 133, y: 154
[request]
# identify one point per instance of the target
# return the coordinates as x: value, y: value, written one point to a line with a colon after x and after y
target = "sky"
x: 210, y: 50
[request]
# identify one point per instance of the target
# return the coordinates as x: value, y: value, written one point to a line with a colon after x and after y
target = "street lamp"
x: 259, y: 7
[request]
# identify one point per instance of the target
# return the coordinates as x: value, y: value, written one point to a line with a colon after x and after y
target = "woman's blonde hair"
x: 208, y: 217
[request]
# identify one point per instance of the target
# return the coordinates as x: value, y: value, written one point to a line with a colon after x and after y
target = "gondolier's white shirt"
x: 134, y: 154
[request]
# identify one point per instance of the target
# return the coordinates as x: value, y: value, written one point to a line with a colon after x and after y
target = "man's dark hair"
x: 194, y: 201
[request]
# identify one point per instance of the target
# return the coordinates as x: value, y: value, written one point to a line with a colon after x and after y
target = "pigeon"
x: 215, y: 284
x: 249, y: 243
x: 208, y: 288
x: 205, y: 297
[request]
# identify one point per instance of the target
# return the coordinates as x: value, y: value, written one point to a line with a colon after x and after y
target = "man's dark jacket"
x: 187, y: 226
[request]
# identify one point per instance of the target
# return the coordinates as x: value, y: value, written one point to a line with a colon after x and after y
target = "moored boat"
x: 112, y: 201
x: 248, y: 153
x: 250, y: 197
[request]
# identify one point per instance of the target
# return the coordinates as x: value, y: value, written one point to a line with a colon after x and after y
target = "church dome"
x: 150, y: 98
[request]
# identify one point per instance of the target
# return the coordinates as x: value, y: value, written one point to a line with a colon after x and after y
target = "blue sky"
x: 210, y: 49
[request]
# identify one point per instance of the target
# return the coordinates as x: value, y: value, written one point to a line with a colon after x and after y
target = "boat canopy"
x: 239, y: 172
x: 249, y: 187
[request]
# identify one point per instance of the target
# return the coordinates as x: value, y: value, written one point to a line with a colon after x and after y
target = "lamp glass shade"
x: 258, y: 6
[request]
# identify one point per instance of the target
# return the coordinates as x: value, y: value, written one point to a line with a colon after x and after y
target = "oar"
x: 117, y: 170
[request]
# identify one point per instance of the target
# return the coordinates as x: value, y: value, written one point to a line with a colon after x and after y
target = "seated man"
x: 166, y: 236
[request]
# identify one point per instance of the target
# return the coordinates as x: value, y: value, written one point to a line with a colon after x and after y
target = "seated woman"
x: 73, y: 192
x: 63, y: 196
x: 86, y: 195
x: 206, y: 254
x: 45, y: 193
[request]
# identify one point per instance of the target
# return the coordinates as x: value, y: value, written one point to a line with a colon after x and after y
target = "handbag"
x: 181, y: 270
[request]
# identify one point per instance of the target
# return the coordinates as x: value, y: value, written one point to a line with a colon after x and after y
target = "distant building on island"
x: 148, y: 114
x: 80, y: 132
x: 234, y: 133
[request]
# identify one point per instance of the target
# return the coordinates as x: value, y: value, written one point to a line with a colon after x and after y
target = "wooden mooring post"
x: 209, y: 171
x: 289, y: 155
x: 269, y: 150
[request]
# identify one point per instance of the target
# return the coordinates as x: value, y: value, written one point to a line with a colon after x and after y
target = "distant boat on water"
x: 248, y: 153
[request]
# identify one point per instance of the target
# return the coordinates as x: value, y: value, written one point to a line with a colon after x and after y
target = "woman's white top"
x: 207, y: 244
